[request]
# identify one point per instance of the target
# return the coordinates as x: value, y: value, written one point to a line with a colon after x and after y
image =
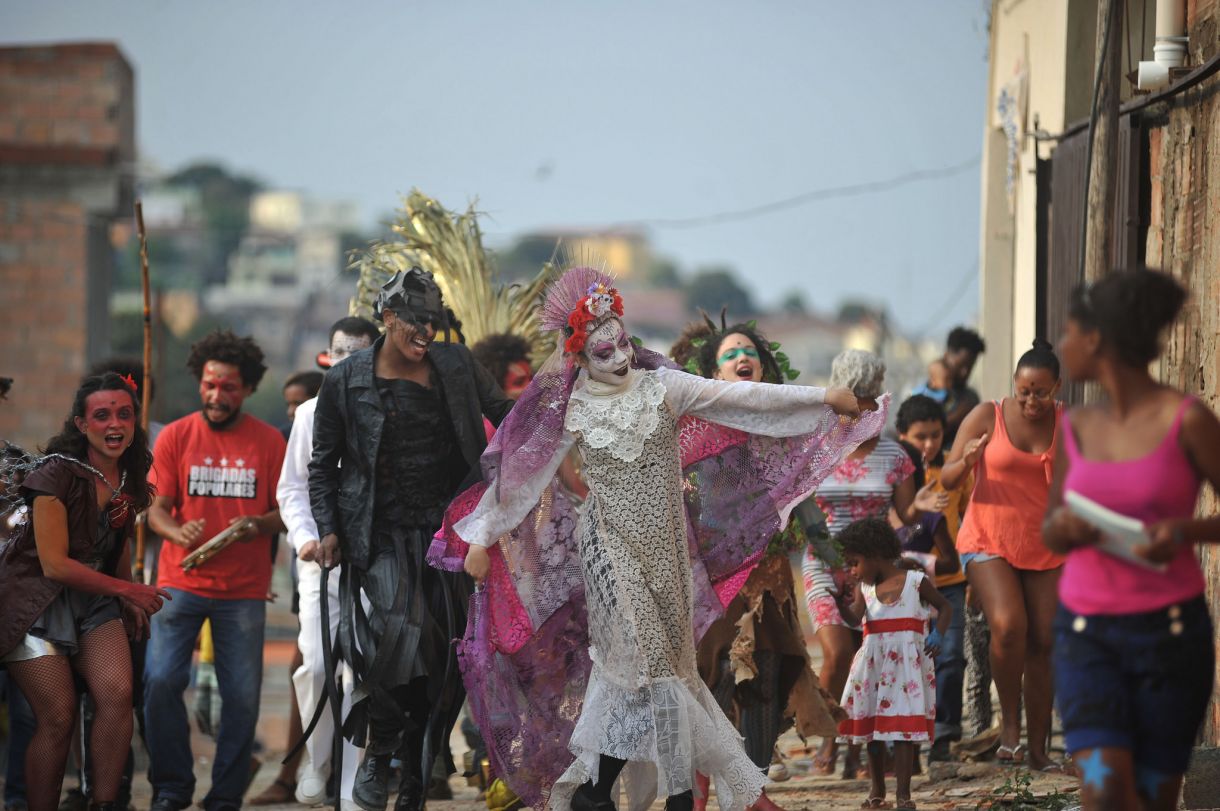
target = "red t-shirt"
x: 217, y: 475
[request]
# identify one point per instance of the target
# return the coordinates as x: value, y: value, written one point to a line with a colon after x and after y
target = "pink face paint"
x: 109, y: 422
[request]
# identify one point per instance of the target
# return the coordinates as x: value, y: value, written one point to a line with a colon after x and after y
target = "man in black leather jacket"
x: 398, y: 431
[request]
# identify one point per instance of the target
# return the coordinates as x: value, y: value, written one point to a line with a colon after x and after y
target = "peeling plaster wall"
x: 1184, y: 239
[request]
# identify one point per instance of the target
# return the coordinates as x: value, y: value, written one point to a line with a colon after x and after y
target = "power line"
x: 814, y: 196
x: 955, y: 296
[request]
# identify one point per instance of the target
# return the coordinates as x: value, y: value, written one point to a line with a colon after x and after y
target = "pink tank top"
x: 1009, y: 500
x: 1155, y: 487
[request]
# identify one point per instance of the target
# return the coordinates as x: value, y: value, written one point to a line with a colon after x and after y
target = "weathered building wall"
x: 1184, y: 238
x: 67, y: 153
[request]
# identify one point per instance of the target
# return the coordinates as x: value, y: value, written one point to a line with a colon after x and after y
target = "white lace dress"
x: 645, y: 702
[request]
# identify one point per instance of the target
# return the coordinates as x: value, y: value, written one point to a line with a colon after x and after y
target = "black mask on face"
x: 414, y: 297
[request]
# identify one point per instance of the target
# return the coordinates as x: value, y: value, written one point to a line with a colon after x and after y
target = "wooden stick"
x: 145, y: 398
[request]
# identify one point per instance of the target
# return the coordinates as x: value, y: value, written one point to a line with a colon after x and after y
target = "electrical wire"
x: 958, y: 291
x: 816, y: 195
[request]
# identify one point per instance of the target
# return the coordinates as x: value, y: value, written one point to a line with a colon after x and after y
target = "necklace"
x: 120, y: 502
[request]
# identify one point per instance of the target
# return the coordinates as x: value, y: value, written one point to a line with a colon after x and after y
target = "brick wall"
x: 43, y: 300
x: 1184, y: 239
x: 72, y: 103
x: 67, y: 150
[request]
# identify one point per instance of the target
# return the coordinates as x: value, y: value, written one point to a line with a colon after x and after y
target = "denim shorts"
x: 976, y: 557
x: 1139, y: 682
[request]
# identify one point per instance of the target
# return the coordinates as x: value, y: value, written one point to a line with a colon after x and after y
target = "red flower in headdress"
x: 600, y: 301
x: 130, y: 381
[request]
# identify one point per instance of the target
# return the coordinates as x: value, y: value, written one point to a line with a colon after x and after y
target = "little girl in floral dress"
x: 891, y: 691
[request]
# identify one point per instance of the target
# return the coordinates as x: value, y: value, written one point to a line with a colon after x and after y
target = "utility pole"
x: 1103, y: 170
x: 1097, y: 252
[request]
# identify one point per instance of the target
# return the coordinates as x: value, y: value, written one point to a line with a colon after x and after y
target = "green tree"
x: 715, y: 287
x: 794, y: 303
x: 226, y: 207
x: 663, y: 273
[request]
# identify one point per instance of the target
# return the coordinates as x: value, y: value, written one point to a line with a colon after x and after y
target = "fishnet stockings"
x: 104, y: 661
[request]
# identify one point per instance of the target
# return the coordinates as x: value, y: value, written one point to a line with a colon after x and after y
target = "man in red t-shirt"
x: 211, y: 469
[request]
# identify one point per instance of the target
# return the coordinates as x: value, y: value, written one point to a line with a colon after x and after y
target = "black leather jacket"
x: 347, y: 433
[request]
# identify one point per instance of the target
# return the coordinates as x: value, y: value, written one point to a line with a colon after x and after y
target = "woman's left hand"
x: 134, y: 620
x: 1164, y: 538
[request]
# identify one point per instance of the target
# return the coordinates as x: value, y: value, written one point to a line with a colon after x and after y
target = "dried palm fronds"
x: 450, y: 245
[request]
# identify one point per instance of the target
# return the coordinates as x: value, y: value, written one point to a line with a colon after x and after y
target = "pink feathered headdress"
x: 577, y: 302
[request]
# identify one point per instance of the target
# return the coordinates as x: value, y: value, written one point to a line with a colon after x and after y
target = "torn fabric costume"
x: 582, y: 642
x: 388, y: 454
x: 753, y: 658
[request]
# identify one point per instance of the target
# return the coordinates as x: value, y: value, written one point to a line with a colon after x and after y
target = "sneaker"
x: 311, y: 786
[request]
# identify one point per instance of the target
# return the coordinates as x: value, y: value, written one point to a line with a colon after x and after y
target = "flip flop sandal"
x: 906, y: 805
x: 875, y: 802
x: 1010, y: 754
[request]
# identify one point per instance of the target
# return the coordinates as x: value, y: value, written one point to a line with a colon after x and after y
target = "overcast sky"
x: 583, y: 114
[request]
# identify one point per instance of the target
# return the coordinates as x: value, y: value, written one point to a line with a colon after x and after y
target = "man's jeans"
x: 951, y: 668
x: 237, y: 633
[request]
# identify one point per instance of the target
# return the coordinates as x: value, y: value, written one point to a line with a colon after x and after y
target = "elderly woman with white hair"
x: 874, y: 478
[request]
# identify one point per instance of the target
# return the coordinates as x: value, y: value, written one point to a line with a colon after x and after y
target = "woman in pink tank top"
x: 1010, y: 445
x: 1134, y: 655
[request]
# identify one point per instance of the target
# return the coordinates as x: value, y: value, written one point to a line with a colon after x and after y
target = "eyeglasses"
x: 734, y: 354
x: 1035, y: 395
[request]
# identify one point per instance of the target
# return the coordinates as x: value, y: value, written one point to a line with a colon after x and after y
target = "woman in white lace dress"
x: 646, y: 713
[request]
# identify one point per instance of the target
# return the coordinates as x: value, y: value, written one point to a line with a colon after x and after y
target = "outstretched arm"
x: 760, y: 408
x: 503, y: 508
x: 971, y: 440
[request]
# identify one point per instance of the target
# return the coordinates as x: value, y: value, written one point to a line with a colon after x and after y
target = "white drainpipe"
x: 1170, y: 48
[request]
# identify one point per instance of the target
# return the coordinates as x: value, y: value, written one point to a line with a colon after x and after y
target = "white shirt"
x: 293, y: 490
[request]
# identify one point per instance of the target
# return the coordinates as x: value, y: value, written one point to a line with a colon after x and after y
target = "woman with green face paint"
x: 783, y: 689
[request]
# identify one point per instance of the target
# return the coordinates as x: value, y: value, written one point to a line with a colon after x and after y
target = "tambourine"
x: 216, y: 544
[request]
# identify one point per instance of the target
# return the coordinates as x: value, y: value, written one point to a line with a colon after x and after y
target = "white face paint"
x: 608, y: 353
x: 343, y: 345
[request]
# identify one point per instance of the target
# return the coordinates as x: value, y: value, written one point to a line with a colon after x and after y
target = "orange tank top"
x: 1009, y: 501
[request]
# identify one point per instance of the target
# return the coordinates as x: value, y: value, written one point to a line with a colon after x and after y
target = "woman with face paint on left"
x: 67, y: 602
x: 580, y: 655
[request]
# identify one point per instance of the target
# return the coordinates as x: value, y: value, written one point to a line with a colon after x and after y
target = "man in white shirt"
x: 347, y: 335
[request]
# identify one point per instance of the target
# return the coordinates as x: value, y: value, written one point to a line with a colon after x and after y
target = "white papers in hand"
x: 1120, y: 534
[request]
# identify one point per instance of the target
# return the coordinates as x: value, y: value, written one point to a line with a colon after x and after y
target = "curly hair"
x: 862, y: 372
x: 965, y: 338
x: 709, y: 353
x: 1131, y: 309
x: 309, y: 380
x: 136, y: 461
x: 919, y: 408
x: 870, y: 538
x: 693, y: 336
x: 499, y: 351
x: 225, y: 347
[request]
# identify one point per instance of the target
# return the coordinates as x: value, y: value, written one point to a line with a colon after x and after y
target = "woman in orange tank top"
x: 1010, y: 445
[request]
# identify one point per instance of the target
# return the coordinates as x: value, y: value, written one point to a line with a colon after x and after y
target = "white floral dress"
x: 891, y: 691
x: 645, y: 701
